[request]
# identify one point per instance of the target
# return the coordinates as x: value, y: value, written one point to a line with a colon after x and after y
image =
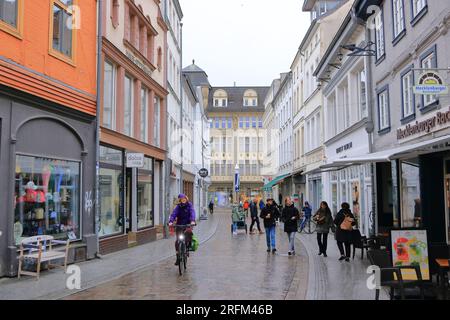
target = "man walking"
x: 254, y: 216
x: 270, y: 215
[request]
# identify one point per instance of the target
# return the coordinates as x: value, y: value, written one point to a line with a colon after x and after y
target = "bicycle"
x: 183, y: 248
x: 307, y: 225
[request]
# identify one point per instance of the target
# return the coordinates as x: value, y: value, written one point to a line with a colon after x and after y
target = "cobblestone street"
x: 226, y: 267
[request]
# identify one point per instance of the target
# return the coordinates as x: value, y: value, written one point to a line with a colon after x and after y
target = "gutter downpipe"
x: 97, y: 122
x: 167, y: 161
x: 181, y: 111
x: 370, y: 131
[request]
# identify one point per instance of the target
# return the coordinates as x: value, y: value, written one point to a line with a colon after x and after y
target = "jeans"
x: 322, y: 239
x: 270, y: 237
x: 234, y: 226
x: 291, y: 237
x: 255, y: 219
x: 347, y: 248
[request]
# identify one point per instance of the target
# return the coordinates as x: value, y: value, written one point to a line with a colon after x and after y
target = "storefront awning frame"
x: 275, y: 181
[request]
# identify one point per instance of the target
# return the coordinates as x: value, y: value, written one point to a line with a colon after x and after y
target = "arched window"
x: 220, y: 98
x: 159, y: 58
x: 115, y: 13
x: 250, y: 98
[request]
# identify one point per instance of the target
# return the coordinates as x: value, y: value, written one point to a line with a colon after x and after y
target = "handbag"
x: 347, y: 224
x: 319, y: 220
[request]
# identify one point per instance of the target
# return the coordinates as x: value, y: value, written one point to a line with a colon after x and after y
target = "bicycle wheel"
x: 182, y: 256
x: 180, y: 260
x: 185, y: 261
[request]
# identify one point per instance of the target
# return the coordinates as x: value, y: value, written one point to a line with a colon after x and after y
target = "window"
x: 410, y: 189
x: 230, y: 123
x: 379, y: 35
x: 407, y: 94
x: 418, y: 6
x: 111, y: 190
x: 115, y: 13
x: 10, y: 16
x: 159, y: 61
x: 429, y: 61
x: 224, y: 123
x: 383, y: 110
x: 241, y: 122
x: 398, y: 16
x: 247, y: 122
x: 220, y: 98
x: 157, y: 124
x: 253, y: 122
x: 260, y: 123
x: 362, y: 88
x: 247, y: 145
x: 144, y: 115
x: 47, y: 198
x: 250, y: 98
x: 145, y: 195
x: 128, y: 107
x: 61, y: 30
x: 217, y: 123
x: 109, y: 97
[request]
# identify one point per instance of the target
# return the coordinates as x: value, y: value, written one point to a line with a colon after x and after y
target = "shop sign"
x: 425, y: 126
x: 430, y: 83
x: 203, y: 173
x: 138, y: 63
x: 344, y: 147
x: 135, y: 160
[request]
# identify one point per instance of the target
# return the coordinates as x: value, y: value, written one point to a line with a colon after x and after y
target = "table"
x: 443, y: 265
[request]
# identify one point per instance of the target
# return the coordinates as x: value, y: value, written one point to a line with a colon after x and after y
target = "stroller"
x: 238, y: 216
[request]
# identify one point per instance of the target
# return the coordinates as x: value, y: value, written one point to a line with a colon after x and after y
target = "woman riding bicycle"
x: 184, y: 214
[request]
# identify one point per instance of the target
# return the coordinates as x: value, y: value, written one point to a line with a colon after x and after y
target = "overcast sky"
x: 256, y: 39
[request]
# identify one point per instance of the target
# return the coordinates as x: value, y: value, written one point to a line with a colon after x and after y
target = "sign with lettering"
x: 430, y: 83
x: 138, y: 63
x: 344, y: 147
x: 425, y: 126
x: 203, y: 173
x: 135, y: 160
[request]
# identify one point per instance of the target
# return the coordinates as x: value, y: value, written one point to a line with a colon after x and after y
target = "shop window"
x: 61, y: 28
x: 47, y: 198
x: 145, y: 195
x: 109, y: 97
x: 111, y: 190
x: 411, y: 212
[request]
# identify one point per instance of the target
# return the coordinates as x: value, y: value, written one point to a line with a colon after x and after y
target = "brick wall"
x: 146, y: 236
x: 113, y: 244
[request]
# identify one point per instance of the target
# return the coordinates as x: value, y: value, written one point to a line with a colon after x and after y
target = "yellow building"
x: 237, y: 138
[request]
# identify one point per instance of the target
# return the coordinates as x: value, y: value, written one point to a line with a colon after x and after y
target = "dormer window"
x: 250, y: 98
x: 220, y: 98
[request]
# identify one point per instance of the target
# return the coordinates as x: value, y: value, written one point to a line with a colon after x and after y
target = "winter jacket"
x: 307, y: 211
x: 261, y: 205
x: 324, y: 227
x: 253, y: 210
x: 290, y: 217
x: 343, y: 235
x: 271, y: 210
x: 183, y: 213
x: 236, y: 215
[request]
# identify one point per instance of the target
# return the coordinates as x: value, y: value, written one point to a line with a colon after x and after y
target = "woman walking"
x: 323, y: 220
x: 344, y: 222
x: 290, y: 217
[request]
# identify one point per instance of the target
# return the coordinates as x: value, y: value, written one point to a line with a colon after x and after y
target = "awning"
x: 269, y: 185
x: 328, y: 168
x: 411, y: 150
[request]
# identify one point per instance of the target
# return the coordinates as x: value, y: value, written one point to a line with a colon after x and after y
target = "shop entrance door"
x: 128, y: 200
x: 447, y: 201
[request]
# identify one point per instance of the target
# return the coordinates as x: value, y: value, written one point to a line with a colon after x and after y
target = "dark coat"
x: 290, y: 217
x: 253, y: 210
x: 274, y: 215
x: 325, y: 227
x: 343, y: 235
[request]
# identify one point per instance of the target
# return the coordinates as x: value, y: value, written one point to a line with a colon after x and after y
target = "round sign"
x: 203, y: 173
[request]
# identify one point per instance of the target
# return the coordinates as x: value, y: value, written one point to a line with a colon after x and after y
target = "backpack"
x: 194, y: 243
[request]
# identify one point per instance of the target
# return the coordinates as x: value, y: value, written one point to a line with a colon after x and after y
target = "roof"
x: 196, y: 75
x: 236, y: 99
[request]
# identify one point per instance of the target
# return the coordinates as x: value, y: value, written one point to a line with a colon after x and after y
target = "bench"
x: 42, y: 249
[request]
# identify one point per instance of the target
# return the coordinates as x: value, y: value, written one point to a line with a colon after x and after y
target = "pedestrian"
x: 344, y: 222
x: 261, y: 204
x: 307, y: 212
x: 236, y: 216
x: 246, y: 205
x: 254, y: 216
x: 211, y: 206
x: 290, y: 216
x: 324, y: 220
x: 270, y: 214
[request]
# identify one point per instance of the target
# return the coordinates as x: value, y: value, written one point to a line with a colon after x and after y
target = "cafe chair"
x: 363, y: 243
x: 391, y: 276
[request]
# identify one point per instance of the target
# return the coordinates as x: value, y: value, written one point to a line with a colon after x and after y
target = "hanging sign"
x: 430, y: 82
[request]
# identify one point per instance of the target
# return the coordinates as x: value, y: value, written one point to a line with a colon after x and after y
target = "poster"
x: 356, y: 199
x: 409, y: 248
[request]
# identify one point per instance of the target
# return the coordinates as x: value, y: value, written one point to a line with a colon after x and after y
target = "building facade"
x: 132, y: 120
x: 237, y: 138
x: 47, y: 125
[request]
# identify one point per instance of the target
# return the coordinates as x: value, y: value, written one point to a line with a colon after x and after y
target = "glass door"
x: 447, y: 202
x: 128, y: 200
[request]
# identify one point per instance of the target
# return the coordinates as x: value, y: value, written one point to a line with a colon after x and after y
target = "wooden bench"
x: 42, y: 249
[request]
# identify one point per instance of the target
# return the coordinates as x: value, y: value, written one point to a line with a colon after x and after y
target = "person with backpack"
x: 344, y: 222
x: 270, y: 215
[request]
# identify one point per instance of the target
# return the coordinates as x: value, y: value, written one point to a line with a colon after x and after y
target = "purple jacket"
x: 184, y: 214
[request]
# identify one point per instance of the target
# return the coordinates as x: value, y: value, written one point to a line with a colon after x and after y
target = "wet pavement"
x: 225, y: 267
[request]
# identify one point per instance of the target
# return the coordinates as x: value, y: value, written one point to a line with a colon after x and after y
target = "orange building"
x: 132, y: 120
x: 47, y: 124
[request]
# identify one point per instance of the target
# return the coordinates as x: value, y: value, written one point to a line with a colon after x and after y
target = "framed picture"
x: 409, y: 247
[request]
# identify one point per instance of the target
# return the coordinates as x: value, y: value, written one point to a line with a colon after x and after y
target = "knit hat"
x: 181, y: 196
